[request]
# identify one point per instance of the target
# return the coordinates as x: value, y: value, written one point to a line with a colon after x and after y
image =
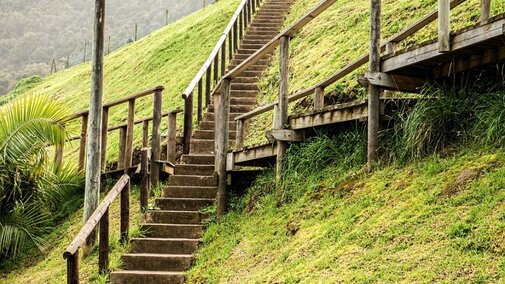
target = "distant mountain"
x: 33, y: 33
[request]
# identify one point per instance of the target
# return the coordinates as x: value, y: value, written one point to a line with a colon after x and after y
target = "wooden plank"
x: 142, y: 120
x: 393, y: 82
x: 444, y: 27
x: 82, y: 144
x: 129, y: 134
x: 221, y: 144
x: 485, y: 10
x: 188, y: 123
x: 145, y: 133
x: 103, y: 251
x: 458, y: 65
x: 171, y: 138
x: 73, y: 268
x: 255, y: 153
x: 105, y: 132
x: 199, y: 102
x: 373, y: 90
x: 144, y: 183
x: 92, y: 222
x: 286, y: 135
x: 281, y: 119
x: 239, y: 139
x: 122, y: 148
x: 156, y: 140
x: 460, y: 41
x: 319, y: 98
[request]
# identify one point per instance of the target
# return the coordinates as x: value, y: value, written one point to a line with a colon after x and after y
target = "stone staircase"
x: 174, y: 230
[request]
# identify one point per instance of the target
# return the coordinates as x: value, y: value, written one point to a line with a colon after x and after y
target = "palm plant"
x: 30, y: 186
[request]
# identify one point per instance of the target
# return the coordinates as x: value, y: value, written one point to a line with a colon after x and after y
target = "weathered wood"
x: 199, y: 102
x: 207, y: 86
x: 93, y: 165
x: 188, y: 123
x: 241, y: 25
x: 73, y: 268
x: 282, y: 114
x: 319, y: 98
x: 374, y: 91
x: 92, y: 222
x: 239, y: 139
x: 171, y: 136
x: 156, y: 140
x: 142, y: 120
x: 460, y: 41
x: 391, y: 47
x: 144, y: 173
x: 485, y: 10
x: 444, y: 29
x: 221, y: 144
x: 330, y: 115
x: 122, y: 147
x: 129, y: 134
x: 58, y: 156
x: 105, y: 131
x: 216, y: 69
x: 230, y: 46
x: 235, y: 34
x: 393, y: 82
x: 124, y: 222
x: 82, y: 144
x: 285, y: 135
x: 103, y: 252
x: 264, y: 151
x: 223, y: 58
x: 145, y: 133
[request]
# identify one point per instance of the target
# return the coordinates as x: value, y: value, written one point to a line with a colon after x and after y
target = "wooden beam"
x: 374, y: 91
x: 122, y: 147
x: 103, y: 252
x: 105, y: 132
x: 73, y: 268
x: 156, y: 140
x: 393, y: 82
x: 144, y: 183
x: 82, y: 143
x: 281, y: 119
x: 319, y: 98
x: 222, y: 130
x: 286, y: 135
x: 188, y: 123
x: 239, y: 139
x: 171, y: 137
x: 489, y: 56
x: 485, y: 10
x: 444, y: 26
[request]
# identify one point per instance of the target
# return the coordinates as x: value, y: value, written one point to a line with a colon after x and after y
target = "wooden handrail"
x: 272, y: 44
x: 363, y: 59
x: 93, y: 220
x: 215, y: 52
x: 118, y: 102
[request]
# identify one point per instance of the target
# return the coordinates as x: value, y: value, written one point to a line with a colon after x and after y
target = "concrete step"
x: 198, y: 159
x: 157, y: 262
x: 236, y: 108
x: 254, y: 41
x: 209, y: 134
x: 249, y: 46
x: 201, y: 170
x: 245, y: 79
x: 175, y: 217
x: 244, y: 86
x: 201, y: 146
x: 239, y: 94
x: 142, y: 277
x: 259, y: 62
x: 190, y: 191
x: 209, y: 125
x: 269, y: 33
x: 164, y: 245
x: 255, y: 67
x: 209, y: 116
x: 183, y: 204
x: 269, y: 19
x: 193, y: 180
x: 178, y: 231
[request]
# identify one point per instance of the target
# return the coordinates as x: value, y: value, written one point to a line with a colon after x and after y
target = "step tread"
x: 166, y: 239
x: 163, y: 255
x: 149, y: 272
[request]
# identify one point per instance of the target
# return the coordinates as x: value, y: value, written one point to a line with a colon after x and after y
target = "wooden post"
x: 390, y: 50
x: 145, y: 133
x: 93, y: 164
x: 223, y: 58
x: 125, y: 193
x: 241, y: 25
x: 58, y: 156
x: 282, y: 115
x: 239, y: 139
x: 108, y: 46
x: 73, y: 268
x: 166, y: 17
x: 156, y: 140
x: 84, y: 56
x: 485, y: 10
x: 199, y: 101
x: 171, y: 143
x: 222, y: 130
x: 105, y: 132
x: 82, y: 145
x: 216, y: 68
x: 235, y: 39
x: 207, y: 86
x: 230, y: 45
x: 188, y: 123
x: 444, y: 28
x: 374, y: 91
x: 144, y: 184
x: 122, y: 148
x: 136, y: 30
x: 103, y: 253
x: 319, y: 98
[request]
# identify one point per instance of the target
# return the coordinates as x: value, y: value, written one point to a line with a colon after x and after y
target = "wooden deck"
x: 264, y: 154
x: 474, y: 49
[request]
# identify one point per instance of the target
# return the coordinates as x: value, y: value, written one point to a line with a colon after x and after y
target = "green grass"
x: 50, y: 267
x: 337, y: 37
x: 438, y: 220
x: 169, y: 57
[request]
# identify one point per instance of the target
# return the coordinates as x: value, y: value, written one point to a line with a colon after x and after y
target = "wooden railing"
x: 280, y: 107
x: 214, y: 67
x: 101, y: 218
x: 125, y: 151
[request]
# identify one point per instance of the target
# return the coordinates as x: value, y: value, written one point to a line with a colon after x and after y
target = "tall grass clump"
x: 489, y: 126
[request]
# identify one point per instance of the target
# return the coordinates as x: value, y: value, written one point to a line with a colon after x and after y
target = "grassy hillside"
x: 341, y: 34
x: 169, y: 57
x: 50, y: 267
x: 438, y: 220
